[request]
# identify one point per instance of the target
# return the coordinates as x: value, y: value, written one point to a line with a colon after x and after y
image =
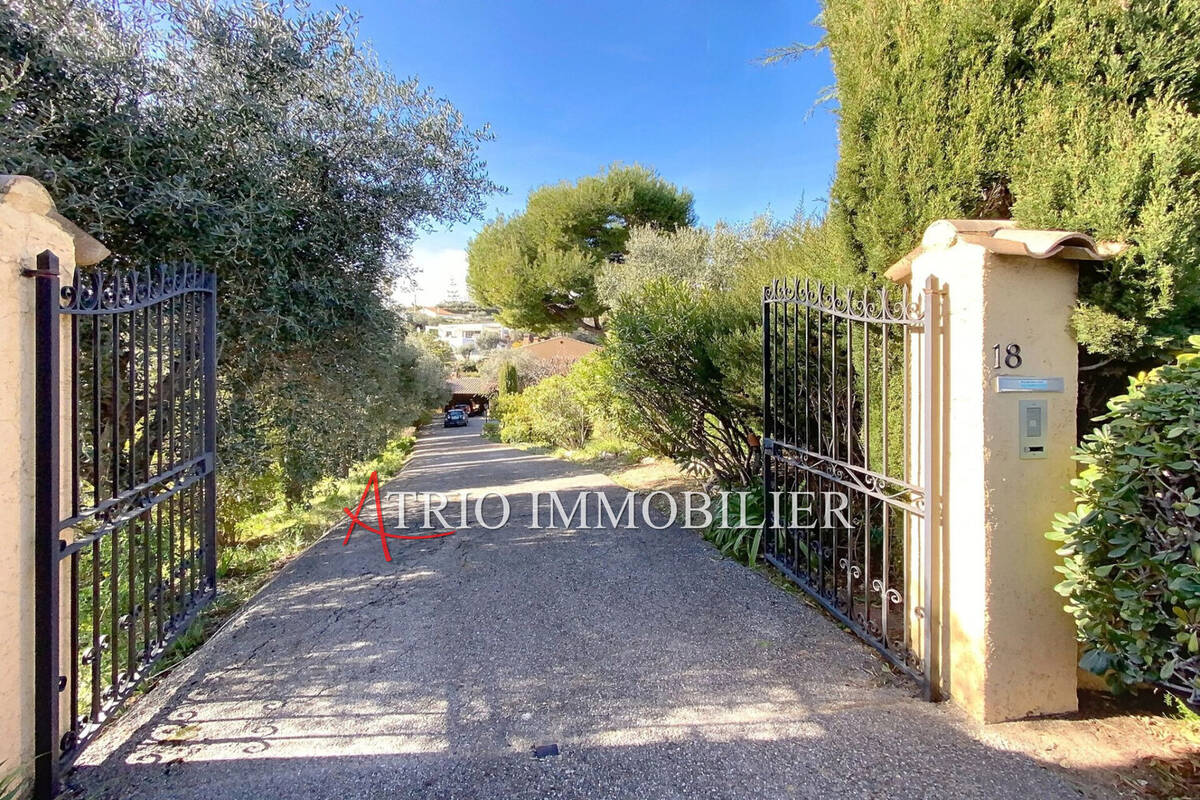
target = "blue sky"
x: 570, y: 87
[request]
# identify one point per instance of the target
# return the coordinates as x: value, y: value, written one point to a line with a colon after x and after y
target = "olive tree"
x: 266, y: 142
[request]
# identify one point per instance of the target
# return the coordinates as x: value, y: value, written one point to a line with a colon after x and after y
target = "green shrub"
x: 549, y: 412
x: 1132, y: 545
x: 686, y: 340
x: 538, y: 267
x: 566, y: 410
x: 668, y: 342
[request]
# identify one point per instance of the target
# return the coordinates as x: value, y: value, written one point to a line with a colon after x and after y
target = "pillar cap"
x: 27, y: 194
x: 1005, y: 237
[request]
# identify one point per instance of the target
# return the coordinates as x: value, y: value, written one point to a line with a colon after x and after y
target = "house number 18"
x: 1011, y: 357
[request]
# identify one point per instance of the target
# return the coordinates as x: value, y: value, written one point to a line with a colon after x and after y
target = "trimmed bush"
x: 1132, y: 545
x: 510, y: 381
x: 1055, y: 113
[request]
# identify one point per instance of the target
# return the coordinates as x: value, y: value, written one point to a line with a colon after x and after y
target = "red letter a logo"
x: 372, y: 484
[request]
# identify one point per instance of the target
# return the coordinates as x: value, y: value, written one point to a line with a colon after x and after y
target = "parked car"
x: 455, y: 418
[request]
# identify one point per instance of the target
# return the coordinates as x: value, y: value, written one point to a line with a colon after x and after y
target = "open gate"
x: 123, y: 569
x: 849, y: 417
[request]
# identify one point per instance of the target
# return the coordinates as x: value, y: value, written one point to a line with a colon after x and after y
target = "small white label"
x: 1015, y: 383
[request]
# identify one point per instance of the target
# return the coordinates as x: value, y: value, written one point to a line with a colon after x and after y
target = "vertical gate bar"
x: 788, y: 382
x: 796, y: 439
x: 866, y: 450
x: 849, y: 382
x: 767, y: 444
x: 808, y: 416
x: 147, y: 646
x: 795, y: 389
x: 130, y: 529
x: 866, y: 393
x: 850, y: 455
x: 799, y: 422
x: 929, y: 385
x: 210, y: 438
x: 833, y: 325
x: 158, y: 463
x: 114, y: 549
x: 885, y: 572
x: 75, y: 488
x: 885, y: 398
x: 185, y: 541
x: 818, y: 446
x: 185, y: 530
x: 841, y: 535
x: 46, y: 520
x: 192, y: 419
x: 905, y: 465
x: 172, y: 533
x: 807, y: 360
x: 97, y: 664
x: 784, y: 377
x: 197, y: 438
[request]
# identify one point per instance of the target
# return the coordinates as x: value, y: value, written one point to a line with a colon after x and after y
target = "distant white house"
x: 463, y: 334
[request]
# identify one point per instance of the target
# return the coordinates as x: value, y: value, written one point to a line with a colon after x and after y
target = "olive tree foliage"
x: 263, y: 141
x: 696, y: 257
x: 1055, y: 113
x: 539, y: 267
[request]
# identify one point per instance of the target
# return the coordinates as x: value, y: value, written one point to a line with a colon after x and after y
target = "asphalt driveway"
x: 658, y: 669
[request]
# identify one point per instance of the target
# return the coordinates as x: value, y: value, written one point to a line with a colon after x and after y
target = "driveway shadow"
x: 657, y: 667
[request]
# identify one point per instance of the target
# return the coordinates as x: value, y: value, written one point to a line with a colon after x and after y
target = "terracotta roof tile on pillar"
x: 1007, y: 238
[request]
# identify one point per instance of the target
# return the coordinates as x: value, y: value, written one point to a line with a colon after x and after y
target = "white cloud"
x: 433, y: 269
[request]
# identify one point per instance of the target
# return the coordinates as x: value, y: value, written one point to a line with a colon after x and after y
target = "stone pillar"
x: 28, y: 225
x: 1003, y: 646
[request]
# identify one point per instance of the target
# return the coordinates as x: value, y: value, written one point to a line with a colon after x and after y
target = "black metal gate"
x: 123, y: 570
x: 848, y: 408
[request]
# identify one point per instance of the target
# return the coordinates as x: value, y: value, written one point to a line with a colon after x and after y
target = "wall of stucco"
x: 27, y: 227
x: 1005, y: 648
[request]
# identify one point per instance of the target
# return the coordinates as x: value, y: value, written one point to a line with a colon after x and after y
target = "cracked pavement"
x: 658, y: 668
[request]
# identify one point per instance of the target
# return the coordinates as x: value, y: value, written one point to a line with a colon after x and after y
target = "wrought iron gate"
x: 848, y: 409
x: 123, y: 570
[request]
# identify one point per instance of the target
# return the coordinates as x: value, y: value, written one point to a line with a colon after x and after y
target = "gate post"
x: 31, y: 233
x: 1001, y: 414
